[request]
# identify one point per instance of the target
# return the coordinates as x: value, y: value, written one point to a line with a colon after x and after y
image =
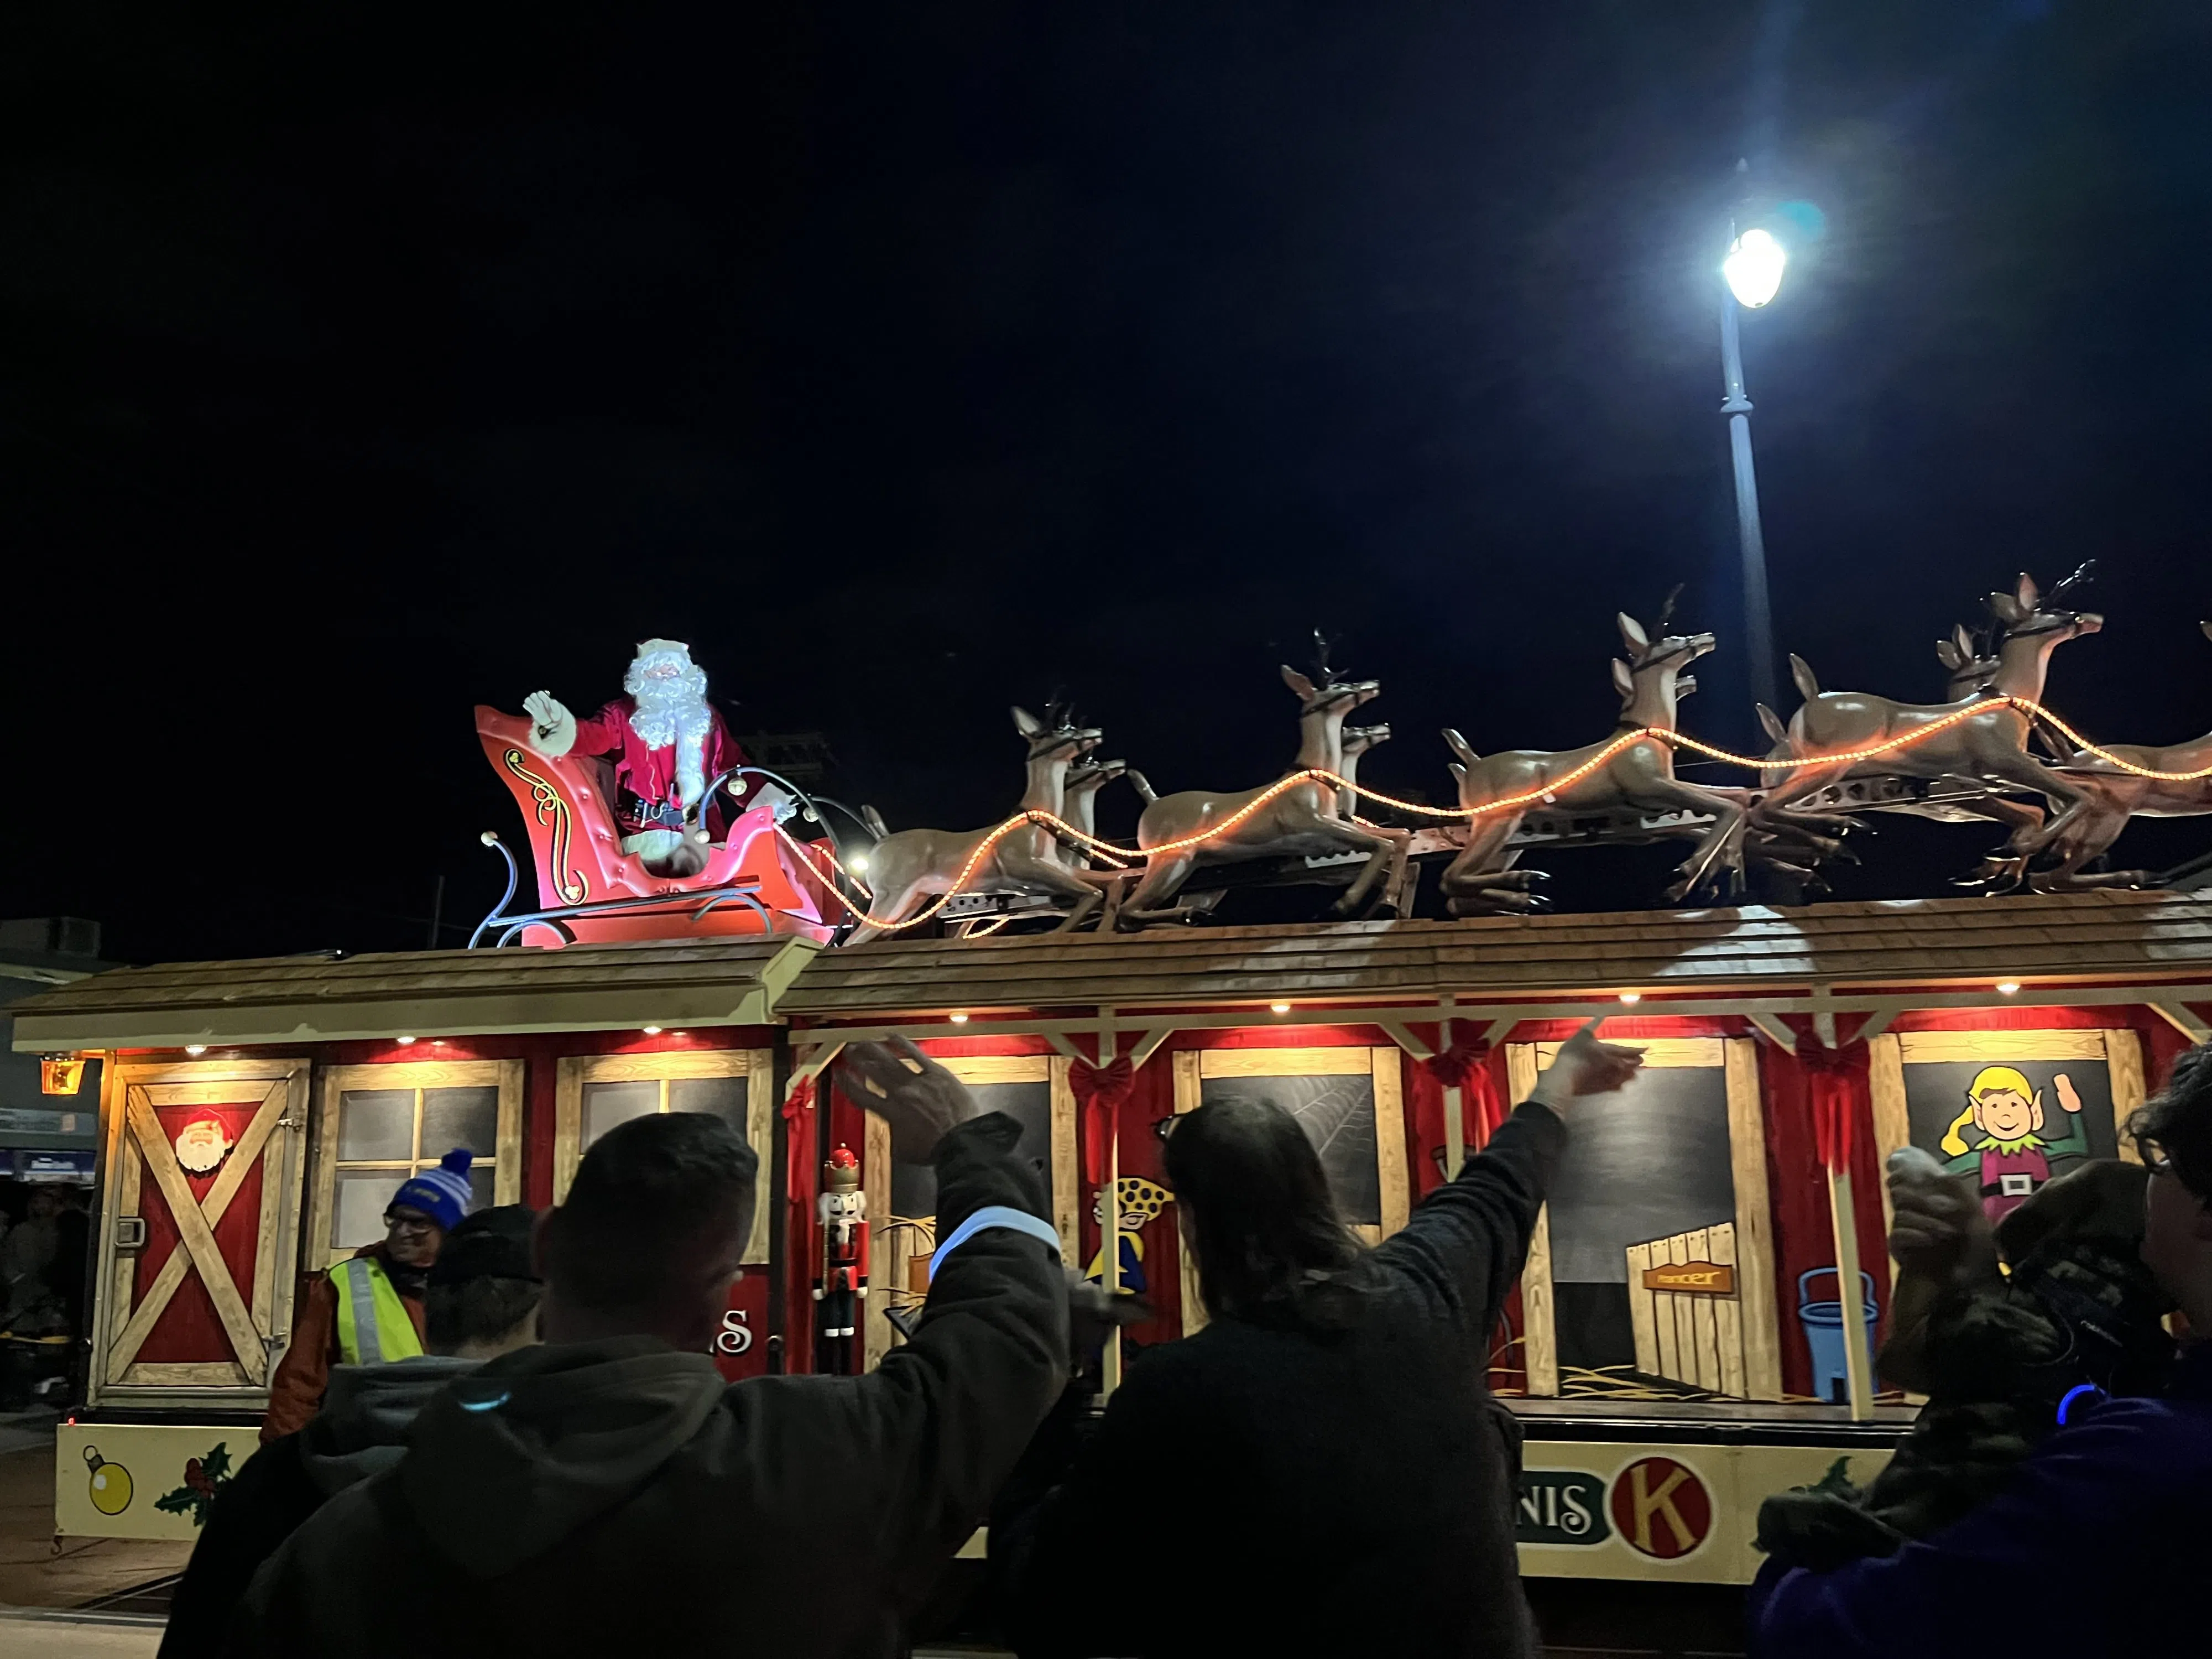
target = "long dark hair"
x: 1271, y: 1249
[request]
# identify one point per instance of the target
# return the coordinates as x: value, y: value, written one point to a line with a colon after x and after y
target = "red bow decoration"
x: 1466, y: 1067
x: 797, y: 1139
x: 1099, y: 1091
x: 1835, y: 1078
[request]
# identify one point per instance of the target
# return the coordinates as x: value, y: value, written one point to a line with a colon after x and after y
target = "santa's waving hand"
x: 556, y: 727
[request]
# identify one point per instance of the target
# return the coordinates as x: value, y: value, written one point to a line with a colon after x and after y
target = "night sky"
x: 361, y: 364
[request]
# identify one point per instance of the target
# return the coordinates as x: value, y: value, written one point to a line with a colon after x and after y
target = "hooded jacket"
x: 618, y: 1496
x: 361, y: 1431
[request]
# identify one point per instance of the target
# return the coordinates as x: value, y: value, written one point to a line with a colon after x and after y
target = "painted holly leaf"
x: 183, y: 1498
x: 204, y: 1478
x: 1836, y: 1480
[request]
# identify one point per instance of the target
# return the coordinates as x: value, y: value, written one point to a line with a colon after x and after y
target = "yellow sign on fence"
x: 1692, y: 1278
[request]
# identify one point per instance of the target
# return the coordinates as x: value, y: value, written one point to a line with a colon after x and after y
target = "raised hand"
x: 1586, y: 1067
x: 918, y: 1098
x: 1936, y: 1222
x: 2068, y: 1096
x: 555, y: 726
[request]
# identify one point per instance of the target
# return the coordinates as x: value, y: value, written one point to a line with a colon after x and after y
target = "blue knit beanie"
x: 442, y: 1194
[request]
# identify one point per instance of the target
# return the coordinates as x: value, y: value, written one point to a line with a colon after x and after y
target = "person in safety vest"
x: 367, y: 1310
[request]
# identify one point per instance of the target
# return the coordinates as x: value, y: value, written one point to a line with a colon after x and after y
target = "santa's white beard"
x: 682, y: 720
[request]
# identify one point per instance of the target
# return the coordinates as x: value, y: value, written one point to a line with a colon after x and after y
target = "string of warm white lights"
x: 1546, y: 793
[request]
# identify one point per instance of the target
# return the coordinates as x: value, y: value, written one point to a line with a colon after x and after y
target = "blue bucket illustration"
x: 1823, y: 1333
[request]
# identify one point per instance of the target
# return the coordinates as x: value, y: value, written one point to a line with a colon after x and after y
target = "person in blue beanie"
x: 2095, y: 1545
x: 368, y: 1310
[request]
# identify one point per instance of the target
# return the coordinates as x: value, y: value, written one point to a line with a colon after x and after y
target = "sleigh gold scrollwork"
x: 574, y: 885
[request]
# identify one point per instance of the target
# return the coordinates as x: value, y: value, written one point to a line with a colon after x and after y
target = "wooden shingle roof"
x: 320, y: 999
x: 2120, y: 938
x: 2070, y: 937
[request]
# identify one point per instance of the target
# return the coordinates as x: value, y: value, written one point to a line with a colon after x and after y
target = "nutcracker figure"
x: 842, y: 1275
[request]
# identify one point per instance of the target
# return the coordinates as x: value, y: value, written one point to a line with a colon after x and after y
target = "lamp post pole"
x: 1758, y: 613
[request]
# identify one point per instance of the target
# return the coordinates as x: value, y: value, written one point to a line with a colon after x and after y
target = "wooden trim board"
x: 1892, y: 1123
x: 1540, y: 1348
x: 1284, y: 1062
x: 1186, y: 1098
x: 1066, y: 1157
x: 2123, y: 1060
x: 1657, y: 1051
x: 1396, y: 1202
x: 1915, y: 1047
x: 997, y: 1068
x: 1753, y: 1243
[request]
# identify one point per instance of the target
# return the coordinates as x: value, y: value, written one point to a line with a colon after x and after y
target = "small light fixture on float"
x: 858, y: 864
x: 196, y: 1049
x: 61, y: 1074
x: 959, y: 1019
x: 1631, y: 996
x: 1279, y: 1008
x: 405, y: 1042
x: 2007, y: 987
x: 650, y: 1030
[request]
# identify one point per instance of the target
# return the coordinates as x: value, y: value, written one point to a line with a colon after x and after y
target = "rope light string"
x: 1120, y: 856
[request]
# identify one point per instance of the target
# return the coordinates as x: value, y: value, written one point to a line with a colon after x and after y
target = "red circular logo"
x: 1660, y: 1508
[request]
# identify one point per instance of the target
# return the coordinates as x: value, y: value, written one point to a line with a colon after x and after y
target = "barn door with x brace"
x: 201, y: 1226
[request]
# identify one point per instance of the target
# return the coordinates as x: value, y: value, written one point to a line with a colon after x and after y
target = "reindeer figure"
x: 1989, y: 747
x: 2115, y: 797
x: 908, y: 867
x: 1640, y: 779
x: 1301, y: 821
x: 1972, y: 659
x: 1085, y: 779
x: 1356, y: 741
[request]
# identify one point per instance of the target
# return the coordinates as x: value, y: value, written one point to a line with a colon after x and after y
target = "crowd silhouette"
x: 551, y: 1464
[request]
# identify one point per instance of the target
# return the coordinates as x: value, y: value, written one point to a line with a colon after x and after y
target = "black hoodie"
x: 617, y: 1497
x: 360, y: 1431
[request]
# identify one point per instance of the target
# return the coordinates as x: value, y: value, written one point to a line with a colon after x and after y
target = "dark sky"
x: 361, y: 365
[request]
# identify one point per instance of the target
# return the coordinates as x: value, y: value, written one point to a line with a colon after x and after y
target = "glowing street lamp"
x: 1752, y: 274
x: 1753, y: 268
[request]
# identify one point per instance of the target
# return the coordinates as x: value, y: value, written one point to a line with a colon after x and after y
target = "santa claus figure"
x: 667, y: 743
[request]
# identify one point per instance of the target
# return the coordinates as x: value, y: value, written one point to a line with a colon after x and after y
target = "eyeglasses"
x: 410, y: 1224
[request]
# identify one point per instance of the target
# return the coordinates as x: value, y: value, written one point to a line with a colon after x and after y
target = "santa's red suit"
x: 645, y: 779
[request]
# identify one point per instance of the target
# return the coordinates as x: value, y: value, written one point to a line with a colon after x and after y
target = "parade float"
x: 1696, y: 1322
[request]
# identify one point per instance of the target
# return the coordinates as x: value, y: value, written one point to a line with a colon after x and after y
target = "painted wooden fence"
x: 1685, y: 1310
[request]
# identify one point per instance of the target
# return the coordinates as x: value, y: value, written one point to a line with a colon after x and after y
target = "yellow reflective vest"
x: 373, y: 1328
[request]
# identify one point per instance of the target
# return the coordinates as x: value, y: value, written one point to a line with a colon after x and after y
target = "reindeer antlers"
x: 1322, y: 646
x: 2083, y: 574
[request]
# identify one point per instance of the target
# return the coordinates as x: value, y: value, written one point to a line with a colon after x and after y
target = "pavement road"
x: 24, y: 1636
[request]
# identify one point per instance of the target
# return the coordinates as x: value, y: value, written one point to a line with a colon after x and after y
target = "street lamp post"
x: 1752, y: 276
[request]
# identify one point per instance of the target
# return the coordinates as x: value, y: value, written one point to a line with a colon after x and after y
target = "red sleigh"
x: 756, y: 880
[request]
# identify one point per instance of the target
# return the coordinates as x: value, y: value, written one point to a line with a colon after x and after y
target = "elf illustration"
x: 842, y: 1271
x: 2011, y: 1156
x: 1141, y: 1200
